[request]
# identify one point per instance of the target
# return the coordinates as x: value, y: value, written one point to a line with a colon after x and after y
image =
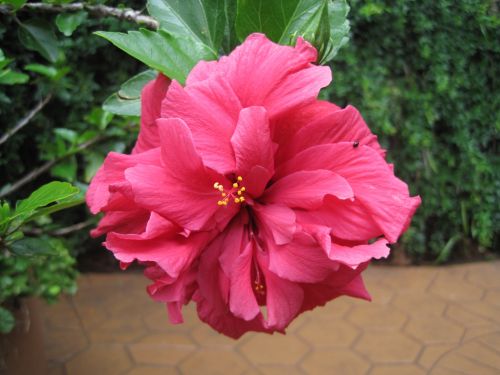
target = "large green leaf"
x: 127, y: 101
x: 10, y: 77
x: 48, y: 193
x: 30, y: 246
x: 321, y: 22
x: 175, y: 56
x: 68, y: 22
x: 37, y: 35
x: 203, y: 20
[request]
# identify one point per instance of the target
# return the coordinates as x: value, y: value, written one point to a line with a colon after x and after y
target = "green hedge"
x: 425, y: 74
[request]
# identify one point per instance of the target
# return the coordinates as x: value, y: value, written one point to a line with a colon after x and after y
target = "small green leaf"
x: 202, y: 20
x: 67, y: 134
x: 65, y: 169
x: 30, y: 246
x: 7, y: 321
x: 339, y: 29
x: 127, y: 101
x: 45, y: 70
x: 16, y: 4
x: 9, y: 77
x: 37, y: 35
x: 93, y: 162
x: 68, y: 22
x: 48, y: 193
x: 173, y: 55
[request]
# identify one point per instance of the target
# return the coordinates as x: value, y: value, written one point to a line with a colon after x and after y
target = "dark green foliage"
x: 425, y: 74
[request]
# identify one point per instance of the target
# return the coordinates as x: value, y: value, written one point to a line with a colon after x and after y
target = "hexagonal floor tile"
x: 106, y: 359
x: 162, y: 349
x: 333, y: 334
x: 214, y: 362
x: 420, y: 305
x: 435, y: 331
x: 397, y: 370
x: 376, y: 317
x: 389, y: 347
x: 332, y: 361
x: 273, y: 350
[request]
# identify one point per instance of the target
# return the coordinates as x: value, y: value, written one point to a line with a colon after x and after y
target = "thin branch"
x: 95, y: 10
x: 45, y: 167
x: 24, y: 121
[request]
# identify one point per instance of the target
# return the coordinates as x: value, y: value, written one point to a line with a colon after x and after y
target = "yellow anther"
x: 240, y: 178
x: 223, y: 194
x: 236, y: 200
x: 239, y: 192
x: 235, y: 185
x: 242, y: 189
x: 216, y: 185
x: 220, y: 188
x: 242, y: 199
x: 220, y: 203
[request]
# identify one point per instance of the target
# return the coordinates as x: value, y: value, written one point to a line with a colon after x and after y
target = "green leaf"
x: 48, y: 193
x: 9, y: 77
x: 37, y: 35
x: 16, y: 4
x: 202, y: 20
x: 65, y: 169
x: 45, y: 70
x: 175, y: 56
x: 339, y: 29
x: 93, y: 162
x: 127, y: 101
x: 323, y: 22
x: 67, y: 134
x: 230, y: 40
x: 30, y: 246
x: 68, y: 22
x: 7, y: 321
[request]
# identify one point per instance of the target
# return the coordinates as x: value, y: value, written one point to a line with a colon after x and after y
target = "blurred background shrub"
x: 426, y: 77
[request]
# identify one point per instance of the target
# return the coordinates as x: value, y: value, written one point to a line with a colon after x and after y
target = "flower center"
x: 234, y: 194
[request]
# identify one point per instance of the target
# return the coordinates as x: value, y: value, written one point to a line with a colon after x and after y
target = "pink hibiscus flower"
x: 244, y: 192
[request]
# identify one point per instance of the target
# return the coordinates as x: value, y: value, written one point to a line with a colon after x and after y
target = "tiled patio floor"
x: 423, y: 320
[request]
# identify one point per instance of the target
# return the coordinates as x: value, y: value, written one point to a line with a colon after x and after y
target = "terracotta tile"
x: 332, y: 310
x: 145, y: 370
x: 464, y: 365
x: 273, y: 350
x: 106, y: 359
x: 156, y: 319
x: 420, y: 305
x: 329, y: 335
x: 338, y: 361
x: 397, y: 370
x: 484, y: 274
x: 452, y: 288
x: 484, y: 310
x: 491, y: 340
x: 121, y: 329
x: 410, y: 279
x: 465, y: 318
x: 377, y: 317
x: 214, y: 362
x: 161, y: 349
x: 279, y: 370
x: 299, y: 322
x: 493, y: 297
x: 431, y: 354
x: 206, y: 336
x: 478, y: 352
x: 389, y: 347
x: 61, y: 345
x: 479, y: 331
x: 435, y: 330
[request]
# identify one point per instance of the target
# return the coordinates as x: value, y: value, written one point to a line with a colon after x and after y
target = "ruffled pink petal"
x: 385, y: 196
x: 202, y: 70
x: 256, y: 180
x: 242, y: 302
x: 112, y: 172
x: 349, y: 220
x: 302, y: 260
x: 151, y: 97
x: 251, y: 141
x: 353, y: 256
x: 211, y: 110
x: 283, y: 298
x: 345, y: 281
x: 173, y: 253
x: 263, y: 73
x: 278, y: 219
x: 307, y: 189
x: 183, y: 190
x: 341, y: 125
x: 130, y: 221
